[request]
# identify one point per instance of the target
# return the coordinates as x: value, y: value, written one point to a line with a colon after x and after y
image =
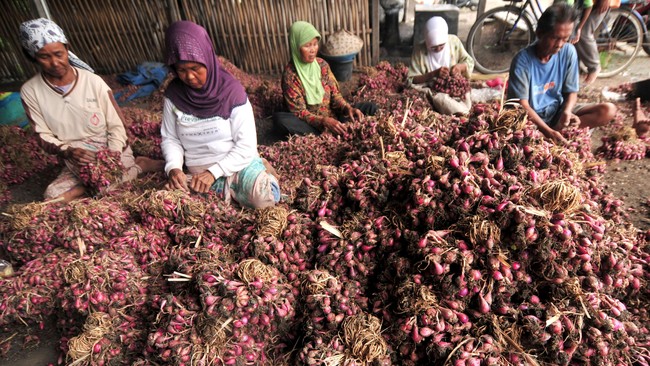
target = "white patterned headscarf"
x: 437, y: 33
x: 36, y: 33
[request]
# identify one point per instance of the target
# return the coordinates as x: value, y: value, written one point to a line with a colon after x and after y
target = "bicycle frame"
x: 532, y: 8
x: 640, y: 8
x: 536, y: 10
x: 619, y: 38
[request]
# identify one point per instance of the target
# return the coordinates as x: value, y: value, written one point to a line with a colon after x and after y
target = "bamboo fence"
x: 13, y: 63
x: 254, y: 33
x: 115, y: 36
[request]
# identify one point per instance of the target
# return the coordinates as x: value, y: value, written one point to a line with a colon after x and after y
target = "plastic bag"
x: 6, y: 270
x: 613, y: 96
x: 485, y: 95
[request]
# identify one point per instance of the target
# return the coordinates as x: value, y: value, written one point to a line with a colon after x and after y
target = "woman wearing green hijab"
x: 311, y: 92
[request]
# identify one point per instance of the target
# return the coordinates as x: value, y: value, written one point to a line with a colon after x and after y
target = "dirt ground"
x: 628, y: 179
x: 624, y: 179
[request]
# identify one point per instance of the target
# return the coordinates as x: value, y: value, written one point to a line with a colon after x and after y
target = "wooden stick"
x: 503, y: 92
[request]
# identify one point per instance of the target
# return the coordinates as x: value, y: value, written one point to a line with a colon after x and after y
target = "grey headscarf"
x: 35, y: 34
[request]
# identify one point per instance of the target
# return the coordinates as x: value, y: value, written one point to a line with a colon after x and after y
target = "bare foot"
x: 149, y: 165
x: 590, y: 78
x: 639, y: 116
x: 69, y: 195
x: 642, y: 128
x: 270, y: 169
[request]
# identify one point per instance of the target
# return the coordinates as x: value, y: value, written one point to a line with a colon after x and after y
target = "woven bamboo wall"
x: 13, y: 64
x: 115, y: 36
x: 253, y: 34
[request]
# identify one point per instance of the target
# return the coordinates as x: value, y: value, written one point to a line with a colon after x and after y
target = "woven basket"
x: 342, y: 43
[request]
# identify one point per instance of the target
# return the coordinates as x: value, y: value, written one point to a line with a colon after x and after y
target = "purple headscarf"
x: 188, y: 41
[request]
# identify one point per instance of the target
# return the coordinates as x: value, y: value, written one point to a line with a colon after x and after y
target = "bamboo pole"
x: 251, y: 38
x: 375, y: 31
x: 284, y: 31
x: 84, y: 46
x: 240, y: 60
x: 15, y: 66
x: 127, y: 24
x: 99, y: 27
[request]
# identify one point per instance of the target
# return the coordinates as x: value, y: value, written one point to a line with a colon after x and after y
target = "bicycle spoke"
x: 497, y: 37
x: 619, y: 39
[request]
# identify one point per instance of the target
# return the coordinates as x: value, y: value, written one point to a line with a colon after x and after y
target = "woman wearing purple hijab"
x: 208, y: 125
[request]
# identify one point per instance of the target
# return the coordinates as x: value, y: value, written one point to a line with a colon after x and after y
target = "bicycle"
x: 498, y: 34
x: 619, y: 38
x: 643, y: 8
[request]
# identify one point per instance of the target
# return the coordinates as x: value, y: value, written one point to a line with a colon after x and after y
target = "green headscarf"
x: 309, y: 73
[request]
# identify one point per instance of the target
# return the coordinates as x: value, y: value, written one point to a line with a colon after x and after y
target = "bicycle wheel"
x: 497, y: 36
x: 619, y: 38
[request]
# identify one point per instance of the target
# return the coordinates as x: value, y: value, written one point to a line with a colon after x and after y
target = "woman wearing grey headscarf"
x: 72, y: 110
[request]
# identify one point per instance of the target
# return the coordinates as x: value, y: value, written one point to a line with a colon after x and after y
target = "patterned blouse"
x: 296, y: 102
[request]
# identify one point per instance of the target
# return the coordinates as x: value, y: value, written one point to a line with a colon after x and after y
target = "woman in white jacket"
x: 208, y: 125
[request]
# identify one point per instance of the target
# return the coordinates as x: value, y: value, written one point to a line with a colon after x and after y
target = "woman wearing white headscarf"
x: 439, y: 55
x: 72, y: 110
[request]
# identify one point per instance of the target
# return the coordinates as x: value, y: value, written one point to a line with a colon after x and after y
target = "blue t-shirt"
x: 543, y: 84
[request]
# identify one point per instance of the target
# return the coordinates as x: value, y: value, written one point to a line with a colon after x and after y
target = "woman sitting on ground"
x: 440, y: 55
x: 72, y: 110
x: 311, y: 92
x: 208, y: 125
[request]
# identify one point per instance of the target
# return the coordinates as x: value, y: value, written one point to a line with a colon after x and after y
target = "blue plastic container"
x: 341, y: 65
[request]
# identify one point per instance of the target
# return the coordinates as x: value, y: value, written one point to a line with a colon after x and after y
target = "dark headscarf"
x: 188, y: 41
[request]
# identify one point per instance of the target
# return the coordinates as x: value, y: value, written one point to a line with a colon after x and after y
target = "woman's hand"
x: 202, y: 182
x: 177, y: 180
x: 458, y: 69
x: 80, y: 156
x: 333, y: 125
x: 355, y: 114
x: 443, y: 72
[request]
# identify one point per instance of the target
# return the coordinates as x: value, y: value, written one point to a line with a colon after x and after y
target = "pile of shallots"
x: 414, y: 239
x: 21, y: 157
